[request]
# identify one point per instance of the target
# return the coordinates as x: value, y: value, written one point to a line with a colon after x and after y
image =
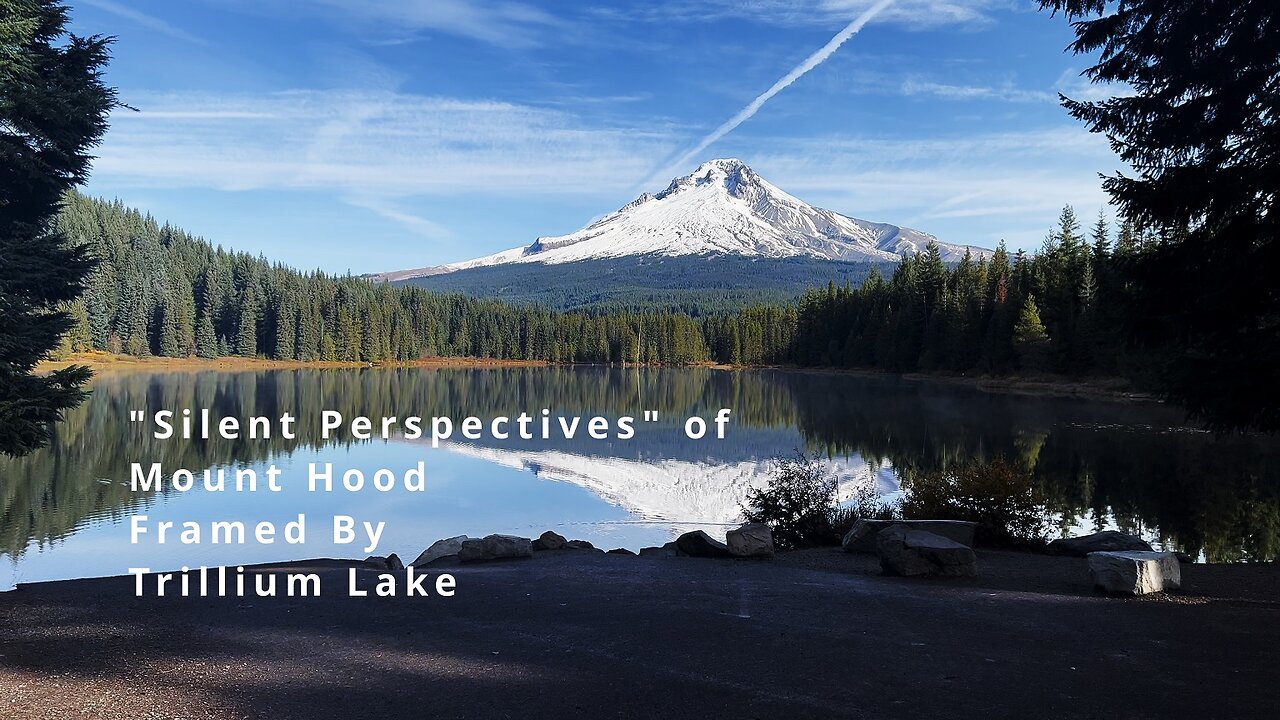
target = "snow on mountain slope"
x: 722, y: 208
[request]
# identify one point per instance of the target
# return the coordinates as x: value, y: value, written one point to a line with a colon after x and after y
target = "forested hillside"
x: 698, y: 286
x: 1068, y: 309
x: 160, y: 291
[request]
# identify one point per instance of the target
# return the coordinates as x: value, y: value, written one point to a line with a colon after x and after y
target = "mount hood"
x: 721, y: 209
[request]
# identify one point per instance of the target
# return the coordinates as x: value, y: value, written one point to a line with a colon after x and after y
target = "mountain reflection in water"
x: 1132, y: 466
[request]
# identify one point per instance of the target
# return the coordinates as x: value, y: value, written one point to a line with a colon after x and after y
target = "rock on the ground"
x: 391, y: 562
x: 549, y: 541
x: 620, y: 551
x: 508, y: 546
x: 495, y: 547
x: 862, y: 536
x: 751, y: 540
x: 699, y: 544
x: 441, y: 548
x: 579, y: 545
x: 668, y: 550
x: 1135, y: 572
x: 1105, y: 541
x: 473, y: 550
x: 908, y: 552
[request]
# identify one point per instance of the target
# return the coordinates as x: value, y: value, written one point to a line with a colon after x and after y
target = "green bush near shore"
x: 999, y: 496
x: 801, y: 506
x: 798, y: 504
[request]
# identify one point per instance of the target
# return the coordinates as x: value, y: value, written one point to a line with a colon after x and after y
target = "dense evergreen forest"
x: 160, y: 291
x: 1066, y: 309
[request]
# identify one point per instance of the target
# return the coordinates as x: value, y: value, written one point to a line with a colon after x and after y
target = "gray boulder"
x: 549, y: 541
x: 440, y: 549
x: 620, y: 551
x: 668, y: 550
x: 495, y: 547
x: 862, y: 536
x: 1105, y: 541
x: 508, y: 546
x: 391, y: 562
x: 751, y: 540
x: 473, y: 551
x: 909, y: 552
x: 700, y: 544
x: 1135, y: 572
x: 579, y: 545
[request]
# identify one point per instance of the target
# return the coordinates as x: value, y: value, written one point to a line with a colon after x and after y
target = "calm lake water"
x: 1138, y: 467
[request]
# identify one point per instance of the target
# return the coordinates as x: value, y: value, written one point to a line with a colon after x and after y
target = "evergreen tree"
x: 348, y: 339
x: 308, y: 340
x: 731, y: 350
x: 78, y: 338
x: 97, y: 306
x: 1030, y: 337
x: 328, y: 348
x: 1202, y: 129
x: 247, y: 327
x: 171, y: 341
x: 1126, y: 240
x: 1101, y: 236
x: 286, y: 336
x: 206, y: 340
x: 53, y: 111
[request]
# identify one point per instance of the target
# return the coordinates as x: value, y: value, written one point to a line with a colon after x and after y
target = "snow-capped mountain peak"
x: 721, y: 208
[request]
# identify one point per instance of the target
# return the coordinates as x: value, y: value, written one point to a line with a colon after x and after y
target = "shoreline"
x: 1021, y: 571
x: 1103, y: 389
x: 1008, y: 569
x: 107, y: 362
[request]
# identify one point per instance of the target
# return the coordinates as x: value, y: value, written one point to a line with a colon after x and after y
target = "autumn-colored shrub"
x: 999, y: 496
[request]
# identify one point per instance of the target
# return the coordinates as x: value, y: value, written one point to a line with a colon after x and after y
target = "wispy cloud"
x: 813, y: 13
x: 984, y: 187
x: 145, y: 20
x: 369, y: 144
x: 1006, y: 92
x: 206, y: 115
x: 503, y: 23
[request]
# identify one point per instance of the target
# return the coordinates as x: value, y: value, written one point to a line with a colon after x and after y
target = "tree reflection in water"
x: 1136, y: 465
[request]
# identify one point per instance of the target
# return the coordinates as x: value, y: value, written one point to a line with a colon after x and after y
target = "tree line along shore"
x: 162, y: 294
x: 1109, y: 389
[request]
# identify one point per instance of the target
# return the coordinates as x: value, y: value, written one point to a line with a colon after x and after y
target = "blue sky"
x: 370, y: 135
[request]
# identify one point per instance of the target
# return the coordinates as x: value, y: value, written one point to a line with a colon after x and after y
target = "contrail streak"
x: 810, y: 63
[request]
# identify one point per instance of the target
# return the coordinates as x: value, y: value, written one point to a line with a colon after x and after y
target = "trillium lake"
x: 1134, y: 466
